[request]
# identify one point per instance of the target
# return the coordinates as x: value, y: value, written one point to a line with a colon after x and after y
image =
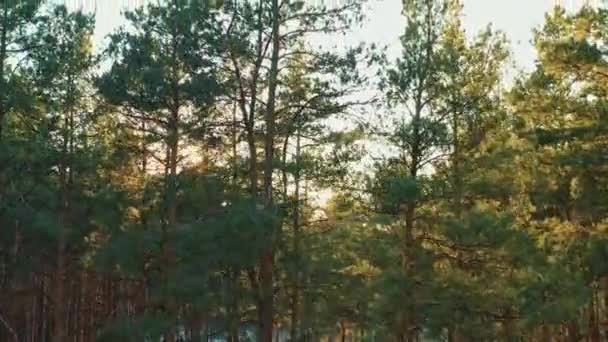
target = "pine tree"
x: 61, y: 75
x: 560, y: 108
x: 164, y: 79
x: 263, y: 39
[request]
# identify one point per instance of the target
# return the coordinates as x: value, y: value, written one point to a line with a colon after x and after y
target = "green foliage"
x: 163, y: 59
x: 137, y: 177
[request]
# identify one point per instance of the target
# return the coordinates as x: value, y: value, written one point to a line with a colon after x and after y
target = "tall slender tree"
x: 63, y: 74
x: 262, y: 40
x: 164, y: 78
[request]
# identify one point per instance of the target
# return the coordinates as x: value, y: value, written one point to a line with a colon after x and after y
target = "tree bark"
x: 295, y: 298
x: 173, y: 137
x: 234, y: 315
x: 594, y: 331
x: 3, y: 49
x: 266, y: 310
x: 573, y: 331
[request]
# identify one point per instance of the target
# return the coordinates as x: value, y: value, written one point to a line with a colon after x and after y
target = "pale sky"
x: 384, y: 24
x: 516, y: 18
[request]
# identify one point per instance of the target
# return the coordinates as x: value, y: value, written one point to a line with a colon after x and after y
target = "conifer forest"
x: 229, y: 171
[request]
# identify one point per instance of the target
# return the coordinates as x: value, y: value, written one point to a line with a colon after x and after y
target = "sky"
x: 516, y: 18
x: 384, y: 24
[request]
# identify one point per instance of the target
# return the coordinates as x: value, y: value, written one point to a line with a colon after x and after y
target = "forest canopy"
x: 218, y: 171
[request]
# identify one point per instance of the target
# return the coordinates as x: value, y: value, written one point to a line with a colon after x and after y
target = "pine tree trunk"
x: 267, y: 262
x: 573, y: 331
x: 60, y: 299
x: 594, y: 332
x: 605, y: 306
x: 3, y: 57
x: 234, y: 274
x: 44, y: 308
x: 167, y: 250
x: 454, y: 335
x: 295, y: 298
x: 407, y: 254
x: 545, y: 333
x: 234, y: 315
x: 173, y: 152
x: 509, y: 327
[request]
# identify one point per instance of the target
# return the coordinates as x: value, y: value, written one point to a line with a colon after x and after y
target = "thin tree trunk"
x: 295, y: 299
x: 167, y: 248
x: 233, y: 277
x: 3, y: 48
x: 173, y: 152
x: 453, y: 334
x: 573, y: 331
x: 234, y: 315
x: 605, y: 311
x: 65, y: 178
x: 266, y: 310
x: 594, y: 332
x: 59, y: 300
x: 545, y: 333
